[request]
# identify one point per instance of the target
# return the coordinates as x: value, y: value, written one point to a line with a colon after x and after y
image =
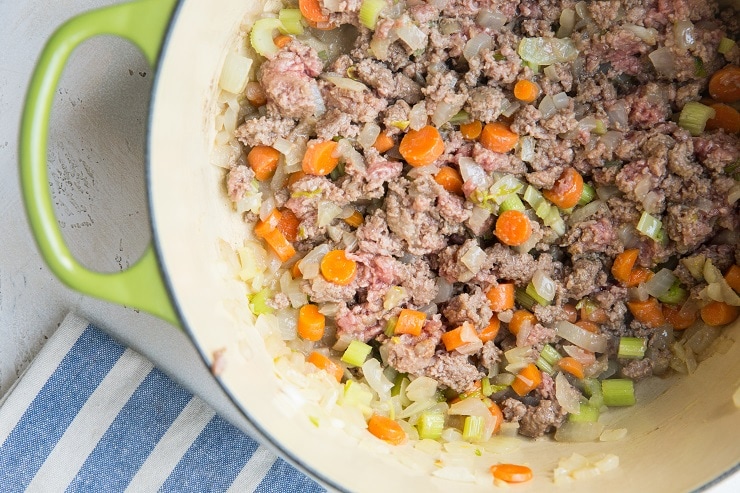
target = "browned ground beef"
x: 416, y: 235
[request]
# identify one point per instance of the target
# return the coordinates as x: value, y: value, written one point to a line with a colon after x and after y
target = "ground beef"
x: 453, y: 370
x: 586, y: 276
x: 264, y: 131
x: 238, y: 182
x: 473, y: 308
x: 541, y: 419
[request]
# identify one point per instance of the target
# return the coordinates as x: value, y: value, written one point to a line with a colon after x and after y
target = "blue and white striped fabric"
x: 91, y: 415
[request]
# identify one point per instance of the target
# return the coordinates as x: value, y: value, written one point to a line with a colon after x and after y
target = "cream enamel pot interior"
x: 683, y: 435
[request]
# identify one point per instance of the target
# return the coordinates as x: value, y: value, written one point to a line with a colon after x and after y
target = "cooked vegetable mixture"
x: 474, y: 213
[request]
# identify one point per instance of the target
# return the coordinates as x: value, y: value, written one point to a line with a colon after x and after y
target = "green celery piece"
x: 618, y: 392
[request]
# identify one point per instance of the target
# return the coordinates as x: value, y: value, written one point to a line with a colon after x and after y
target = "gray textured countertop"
x: 97, y: 180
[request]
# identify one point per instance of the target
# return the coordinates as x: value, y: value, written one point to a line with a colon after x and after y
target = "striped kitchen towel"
x: 91, y: 415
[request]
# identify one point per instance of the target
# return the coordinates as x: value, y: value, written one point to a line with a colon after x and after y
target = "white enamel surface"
x: 677, y: 441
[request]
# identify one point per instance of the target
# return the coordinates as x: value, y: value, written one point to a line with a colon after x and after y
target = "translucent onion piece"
x: 547, y: 107
x: 444, y: 290
x: 476, y: 44
x: 568, y: 397
x: 551, y: 73
x: 561, y: 100
x: 478, y: 218
x: 544, y: 286
x: 588, y: 210
x: 660, y: 283
x: 664, y: 62
x: 581, y: 337
x: 474, y: 258
x: 412, y: 36
x: 327, y: 212
x: 368, y: 135
x: 345, y: 83
x: 445, y: 111
x: 475, y: 407
x: 519, y: 357
x: 683, y: 32
x: 608, y: 191
x: 421, y: 388
x: 546, y: 51
x: 418, y: 116
x: 309, y: 265
x: 393, y: 297
x: 648, y: 35
x: 567, y: 23
x: 579, y: 432
x: 490, y: 19
x: 235, y: 73
x: 373, y: 373
x: 472, y: 172
x: 526, y: 149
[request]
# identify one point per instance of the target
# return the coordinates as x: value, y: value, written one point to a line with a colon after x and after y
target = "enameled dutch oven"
x: 684, y: 435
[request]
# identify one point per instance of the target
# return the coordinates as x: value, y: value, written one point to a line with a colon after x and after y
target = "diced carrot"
x: 471, y: 130
x: 638, y: 276
x: 311, y: 322
x: 264, y: 161
x: 571, y: 311
x: 528, y: 379
x: 410, y: 322
x: 511, y: 473
x: 455, y: 338
x: 311, y: 10
x: 732, y: 276
x: 593, y: 312
x: 725, y: 117
x: 294, y: 177
x: 513, y: 227
x: 567, y: 189
x: 319, y: 159
x: 648, y: 312
x: 255, y: 94
x: 268, y: 224
x: 623, y: 264
x: 490, y: 332
x: 496, y: 412
x: 501, y: 297
x: 680, y: 316
x: 450, y: 179
x: 717, y: 313
x: 355, y: 220
x: 526, y: 91
x: 288, y: 224
x: 280, y: 245
x: 386, y: 429
x: 281, y: 40
x: 337, y: 268
x: 324, y: 363
x: 589, y: 326
x: 295, y: 271
x: 724, y: 85
x: 422, y: 147
x: 497, y: 137
x: 384, y: 142
x: 519, y: 319
x: 572, y: 366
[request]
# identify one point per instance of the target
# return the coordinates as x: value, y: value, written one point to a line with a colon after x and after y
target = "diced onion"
x: 561, y: 100
x: 445, y: 111
x: 476, y: 44
x: 607, y: 191
x: 581, y: 337
x: 648, y: 35
x: 478, y: 218
x: 546, y: 51
x: 473, y: 259
x: 547, y: 107
x: 393, y: 297
x: 551, y: 73
x: 519, y: 357
x: 475, y: 407
x: 421, y: 388
x: 345, y: 83
x: 526, y: 149
x: 567, y: 23
x: 373, y: 373
x: 579, y: 432
x: 472, y: 172
x: 664, y: 62
x: 588, y: 210
x: 351, y: 156
x: 412, y: 36
x: 660, y: 283
x: 309, y: 265
x: 418, y: 116
x: 490, y: 19
x: 568, y: 397
x: 235, y: 73
x: 683, y: 31
x: 544, y: 286
x: 444, y: 290
x: 368, y: 135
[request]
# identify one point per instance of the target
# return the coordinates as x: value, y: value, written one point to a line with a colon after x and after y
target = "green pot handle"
x: 143, y: 22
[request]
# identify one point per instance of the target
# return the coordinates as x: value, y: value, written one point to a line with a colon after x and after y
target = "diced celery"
x: 400, y: 384
x: 369, y: 12
x: 725, y: 45
x: 618, y: 392
x: 262, y: 34
x: 430, y: 425
x: 390, y: 326
x: 543, y: 209
x: 550, y: 354
x: 485, y: 387
x: 650, y: 226
x: 258, y: 302
x: 473, y: 428
x: 632, y: 347
x: 356, y: 394
x: 600, y: 128
x: 523, y: 299
x: 533, y: 197
x: 504, y: 187
x: 588, y: 194
x: 291, y: 20
x: 592, y: 389
x: 694, y: 116
x: 675, y: 295
x: 544, y: 365
x: 460, y: 117
x: 356, y: 353
x: 512, y: 203
x: 588, y: 414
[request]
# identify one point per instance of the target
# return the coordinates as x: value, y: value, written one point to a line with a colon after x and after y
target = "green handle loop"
x: 143, y: 22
